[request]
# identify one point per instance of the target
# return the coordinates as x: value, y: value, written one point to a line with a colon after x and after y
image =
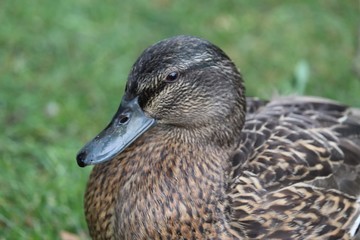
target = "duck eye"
x: 172, y: 77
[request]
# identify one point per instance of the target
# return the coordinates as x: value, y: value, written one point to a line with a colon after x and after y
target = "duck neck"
x: 164, y: 183
x: 176, y: 183
x: 175, y: 160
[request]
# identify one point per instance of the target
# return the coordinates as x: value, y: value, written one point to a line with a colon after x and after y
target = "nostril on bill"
x: 80, y: 159
x: 123, y: 119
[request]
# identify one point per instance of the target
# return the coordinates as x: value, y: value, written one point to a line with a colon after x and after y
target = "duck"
x: 188, y: 156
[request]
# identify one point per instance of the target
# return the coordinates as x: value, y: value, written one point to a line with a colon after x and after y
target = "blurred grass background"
x: 63, y: 65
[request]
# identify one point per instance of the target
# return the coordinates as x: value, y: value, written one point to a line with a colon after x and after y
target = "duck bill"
x: 126, y: 126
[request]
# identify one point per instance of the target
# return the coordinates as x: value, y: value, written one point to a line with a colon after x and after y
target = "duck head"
x: 183, y: 83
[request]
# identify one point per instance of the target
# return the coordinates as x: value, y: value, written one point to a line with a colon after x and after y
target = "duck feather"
x: 296, y: 171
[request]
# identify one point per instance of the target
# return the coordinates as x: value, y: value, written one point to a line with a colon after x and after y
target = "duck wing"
x: 296, y: 172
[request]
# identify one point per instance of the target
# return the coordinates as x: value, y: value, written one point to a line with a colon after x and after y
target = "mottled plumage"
x: 217, y: 165
x: 296, y: 172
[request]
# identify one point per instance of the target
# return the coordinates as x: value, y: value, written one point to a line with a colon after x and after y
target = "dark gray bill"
x: 126, y: 126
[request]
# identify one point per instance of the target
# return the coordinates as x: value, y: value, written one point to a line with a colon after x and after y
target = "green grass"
x: 63, y: 65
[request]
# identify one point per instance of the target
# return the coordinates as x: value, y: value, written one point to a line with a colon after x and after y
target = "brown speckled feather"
x: 297, y: 171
